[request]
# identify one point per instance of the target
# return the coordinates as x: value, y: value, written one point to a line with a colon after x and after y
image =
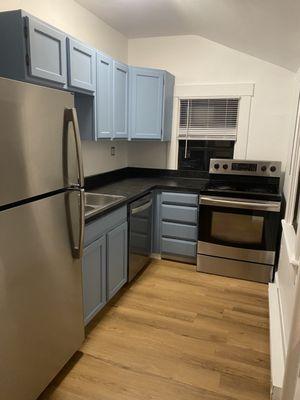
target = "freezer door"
x: 41, y: 309
x: 37, y: 155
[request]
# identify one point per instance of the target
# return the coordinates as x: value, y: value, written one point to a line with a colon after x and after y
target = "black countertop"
x: 134, y: 187
x: 133, y: 183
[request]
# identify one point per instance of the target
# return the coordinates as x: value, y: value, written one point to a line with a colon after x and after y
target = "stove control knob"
x: 216, y: 166
x: 225, y: 166
x: 273, y: 168
x: 263, y: 168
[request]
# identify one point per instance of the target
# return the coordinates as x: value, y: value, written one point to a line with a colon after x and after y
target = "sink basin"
x: 95, y: 202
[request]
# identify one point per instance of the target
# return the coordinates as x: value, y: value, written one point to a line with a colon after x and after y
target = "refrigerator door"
x: 40, y: 293
x: 38, y: 152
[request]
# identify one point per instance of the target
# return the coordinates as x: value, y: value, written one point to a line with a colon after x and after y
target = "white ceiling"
x: 267, y: 29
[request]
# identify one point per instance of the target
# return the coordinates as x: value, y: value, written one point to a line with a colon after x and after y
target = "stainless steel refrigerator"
x: 41, y: 236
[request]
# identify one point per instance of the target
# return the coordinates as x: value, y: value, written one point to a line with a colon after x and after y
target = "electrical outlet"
x: 113, y: 151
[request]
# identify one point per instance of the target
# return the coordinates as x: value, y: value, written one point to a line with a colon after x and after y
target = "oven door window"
x: 238, y: 227
x: 244, y: 229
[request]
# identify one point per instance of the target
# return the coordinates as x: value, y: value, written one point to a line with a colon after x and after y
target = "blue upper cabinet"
x: 81, y: 66
x: 151, y: 104
x: 113, y: 101
x: 32, y: 50
x: 104, y: 99
x: 146, y: 103
x: 120, y: 100
x: 46, y: 52
x: 168, y: 99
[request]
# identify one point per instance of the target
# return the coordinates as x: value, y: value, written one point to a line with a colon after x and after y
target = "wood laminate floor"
x: 174, y: 334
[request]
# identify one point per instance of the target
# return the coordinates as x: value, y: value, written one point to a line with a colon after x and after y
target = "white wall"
x: 70, y: 17
x: 193, y: 59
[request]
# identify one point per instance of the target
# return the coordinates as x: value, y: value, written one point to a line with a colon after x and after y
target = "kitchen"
x: 150, y: 168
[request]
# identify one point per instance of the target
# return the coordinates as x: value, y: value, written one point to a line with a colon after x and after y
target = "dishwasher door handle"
x: 141, y: 208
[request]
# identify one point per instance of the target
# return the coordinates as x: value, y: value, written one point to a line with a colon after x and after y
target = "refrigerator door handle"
x: 76, y: 242
x: 78, y: 249
x: 71, y: 117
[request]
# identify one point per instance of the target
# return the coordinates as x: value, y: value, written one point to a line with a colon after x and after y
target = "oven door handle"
x: 273, y: 206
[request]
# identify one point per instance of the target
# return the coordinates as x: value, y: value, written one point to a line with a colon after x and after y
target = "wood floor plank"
x: 174, y: 334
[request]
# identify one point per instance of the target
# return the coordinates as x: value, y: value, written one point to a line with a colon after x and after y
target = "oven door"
x: 238, y: 229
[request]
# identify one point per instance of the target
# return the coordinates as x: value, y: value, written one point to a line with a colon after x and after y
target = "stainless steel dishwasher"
x: 140, y: 234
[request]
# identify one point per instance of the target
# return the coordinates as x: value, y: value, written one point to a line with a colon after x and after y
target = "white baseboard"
x: 276, y: 343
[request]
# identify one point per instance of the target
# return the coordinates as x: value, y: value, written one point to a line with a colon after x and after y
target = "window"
x: 209, y: 119
x: 196, y: 154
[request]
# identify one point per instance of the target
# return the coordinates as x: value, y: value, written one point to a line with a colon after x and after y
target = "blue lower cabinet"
x: 105, y: 260
x: 117, y: 255
x: 94, y: 278
x: 179, y: 226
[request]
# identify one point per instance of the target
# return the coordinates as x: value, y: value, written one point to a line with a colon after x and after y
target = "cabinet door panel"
x: 82, y: 66
x: 47, y: 52
x: 120, y: 100
x: 146, y: 103
x: 104, y: 96
x: 116, y: 259
x: 94, y: 278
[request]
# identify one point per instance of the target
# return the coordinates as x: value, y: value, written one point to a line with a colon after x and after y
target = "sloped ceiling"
x: 267, y: 29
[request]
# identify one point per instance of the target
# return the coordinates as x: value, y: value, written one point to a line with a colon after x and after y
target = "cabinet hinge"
x: 27, y: 59
x: 25, y: 31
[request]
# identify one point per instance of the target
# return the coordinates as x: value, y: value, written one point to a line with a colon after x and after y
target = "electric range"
x: 239, y: 219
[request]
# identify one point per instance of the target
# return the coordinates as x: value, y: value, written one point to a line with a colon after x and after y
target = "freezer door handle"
x: 71, y: 117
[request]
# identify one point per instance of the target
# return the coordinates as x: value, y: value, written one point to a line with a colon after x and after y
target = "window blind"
x: 208, y: 119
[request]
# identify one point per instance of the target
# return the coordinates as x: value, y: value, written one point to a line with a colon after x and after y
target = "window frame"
x: 224, y: 90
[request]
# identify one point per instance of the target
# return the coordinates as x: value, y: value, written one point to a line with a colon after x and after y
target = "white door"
x: 287, y: 278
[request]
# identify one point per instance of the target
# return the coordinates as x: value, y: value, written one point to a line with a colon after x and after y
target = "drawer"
x: 178, y: 247
x: 189, y: 199
x: 187, y: 215
x: 179, y: 231
x: 96, y: 228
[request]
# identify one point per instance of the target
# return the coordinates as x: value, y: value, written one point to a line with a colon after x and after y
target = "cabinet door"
x: 104, y: 96
x: 47, y: 52
x: 120, y: 100
x: 94, y: 278
x: 146, y: 103
x: 116, y: 259
x: 81, y: 66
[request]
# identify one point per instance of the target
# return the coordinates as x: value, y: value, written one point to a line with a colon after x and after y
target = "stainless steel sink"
x: 95, y: 202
